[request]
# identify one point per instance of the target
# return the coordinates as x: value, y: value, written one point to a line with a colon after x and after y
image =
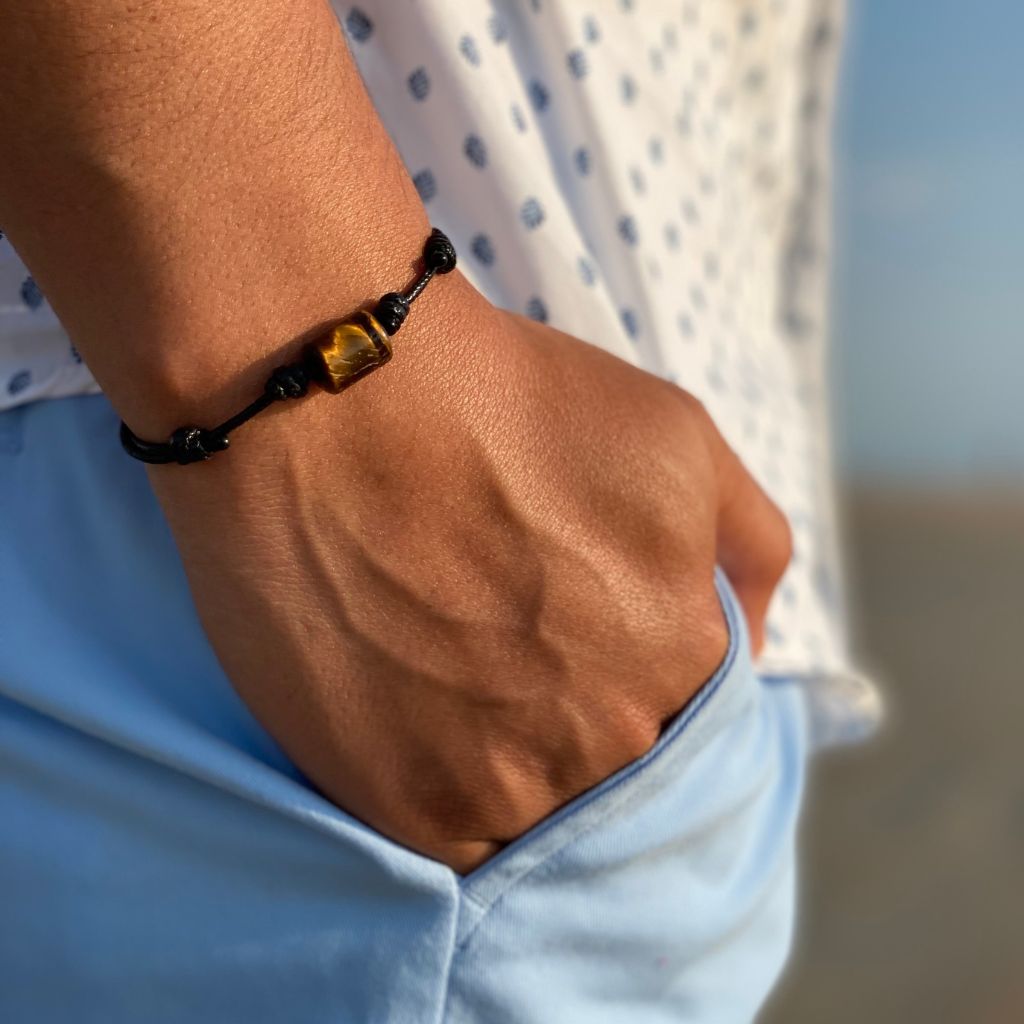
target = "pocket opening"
x: 482, y: 885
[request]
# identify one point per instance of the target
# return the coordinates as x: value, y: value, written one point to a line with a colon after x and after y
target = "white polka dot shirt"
x: 650, y: 176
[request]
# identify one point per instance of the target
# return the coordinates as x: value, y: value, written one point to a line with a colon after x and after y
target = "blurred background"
x: 913, y: 846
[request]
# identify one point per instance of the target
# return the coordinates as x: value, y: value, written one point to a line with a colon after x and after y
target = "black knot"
x: 287, y: 382
x: 439, y: 253
x: 391, y: 311
x: 193, y: 444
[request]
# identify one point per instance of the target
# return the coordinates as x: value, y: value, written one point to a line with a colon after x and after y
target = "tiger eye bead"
x: 348, y: 351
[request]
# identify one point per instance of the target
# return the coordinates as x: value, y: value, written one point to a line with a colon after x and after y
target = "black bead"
x: 193, y: 444
x: 439, y: 253
x: 391, y: 311
x: 288, y: 382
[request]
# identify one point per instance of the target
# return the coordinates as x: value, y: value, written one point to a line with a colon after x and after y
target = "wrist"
x: 207, y: 384
x: 189, y: 229
x: 334, y: 359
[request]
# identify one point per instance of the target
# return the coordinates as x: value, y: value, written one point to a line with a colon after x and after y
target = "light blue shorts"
x: 162, y: 861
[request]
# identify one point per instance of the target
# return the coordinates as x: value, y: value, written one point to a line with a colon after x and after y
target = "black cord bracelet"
x: 336, y: 359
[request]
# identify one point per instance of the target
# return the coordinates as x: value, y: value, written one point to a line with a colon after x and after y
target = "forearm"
x: 477, y: 582
x: 195, y: 185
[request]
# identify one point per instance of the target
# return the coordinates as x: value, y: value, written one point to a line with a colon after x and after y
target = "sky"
x: 928, y: 294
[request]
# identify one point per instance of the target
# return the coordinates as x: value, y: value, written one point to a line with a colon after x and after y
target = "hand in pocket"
x: 479, y: 589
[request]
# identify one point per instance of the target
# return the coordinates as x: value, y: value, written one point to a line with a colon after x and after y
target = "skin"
x: 478, y: 582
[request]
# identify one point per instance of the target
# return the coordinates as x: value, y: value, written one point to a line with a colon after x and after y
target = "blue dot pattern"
x: 532, y: 213
x: 30, y: 293
x: 636, y: 174
x: 630, y: 323
x: 627, y: 230
x: 419, y: 84
x: 358, y: 24
x: 536, y: 309
x: 577, y: 61
x: 475, y: 150
x: 497, y: 28
x: 425, y: 184
x: 539, y: 95
x: 467, y: 47
x: 18, y: 381
x: 586, y: 271
x: 482, y: 249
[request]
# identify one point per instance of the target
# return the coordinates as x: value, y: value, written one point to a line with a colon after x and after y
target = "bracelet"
x: 335, y: 360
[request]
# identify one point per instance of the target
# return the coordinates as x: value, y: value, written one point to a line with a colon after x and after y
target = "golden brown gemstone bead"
x: 348, y: 351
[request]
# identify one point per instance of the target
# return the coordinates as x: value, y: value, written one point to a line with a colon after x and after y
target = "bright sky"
x: 929, y: 294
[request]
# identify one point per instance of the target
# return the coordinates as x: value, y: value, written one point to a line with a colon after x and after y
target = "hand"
x: 480, y: 581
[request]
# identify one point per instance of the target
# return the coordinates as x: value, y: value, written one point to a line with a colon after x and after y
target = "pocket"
x: 666, y: 892
x: 720, y: 697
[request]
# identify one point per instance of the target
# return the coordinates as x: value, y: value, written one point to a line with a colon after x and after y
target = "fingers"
x: 754, y: 541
